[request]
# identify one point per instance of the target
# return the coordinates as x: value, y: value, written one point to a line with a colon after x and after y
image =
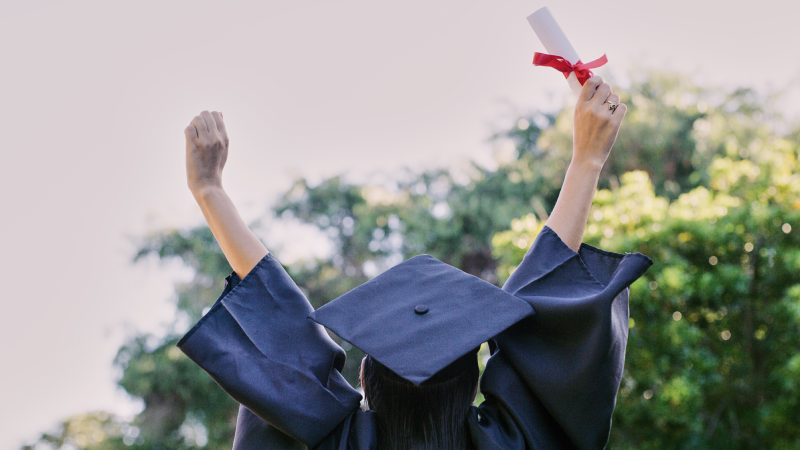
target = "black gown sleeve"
x: 553, y: 379
x: 260, y: 347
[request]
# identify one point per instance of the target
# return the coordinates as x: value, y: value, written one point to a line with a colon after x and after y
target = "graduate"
x: 557, y: 329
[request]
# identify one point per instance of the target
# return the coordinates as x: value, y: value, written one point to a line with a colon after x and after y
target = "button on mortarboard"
x: 382, y: 316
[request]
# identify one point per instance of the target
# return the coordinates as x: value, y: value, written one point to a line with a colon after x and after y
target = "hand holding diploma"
x: 598, y: 113
x: 563, y: 56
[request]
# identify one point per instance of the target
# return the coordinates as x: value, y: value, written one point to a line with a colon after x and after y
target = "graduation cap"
x: 421, y: 316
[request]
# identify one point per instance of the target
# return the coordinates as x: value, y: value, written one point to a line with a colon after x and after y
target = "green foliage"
x: 184, y: 408
x: 698, y: 180
x: 89, y: 431
x: 197, y: 249
x: 673, y: 130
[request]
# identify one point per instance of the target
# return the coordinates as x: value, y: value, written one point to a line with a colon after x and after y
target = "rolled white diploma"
x: 555, y: 42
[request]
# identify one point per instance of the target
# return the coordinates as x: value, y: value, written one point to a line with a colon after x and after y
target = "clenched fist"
x: 596, y: 126
x: 206, y: 151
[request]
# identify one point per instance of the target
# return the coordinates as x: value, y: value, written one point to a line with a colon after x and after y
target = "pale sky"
x: 94, y: 97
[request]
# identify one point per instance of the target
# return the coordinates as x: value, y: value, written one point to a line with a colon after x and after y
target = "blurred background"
x: 365, y: 133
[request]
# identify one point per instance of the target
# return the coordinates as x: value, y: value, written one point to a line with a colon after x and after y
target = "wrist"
x: 587, y: 165
x: 203, y: 193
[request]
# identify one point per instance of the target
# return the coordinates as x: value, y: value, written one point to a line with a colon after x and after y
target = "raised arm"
x: 206, y: 153
x: 596, y: 128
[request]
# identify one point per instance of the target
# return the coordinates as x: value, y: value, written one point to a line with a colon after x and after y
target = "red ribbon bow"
x: 562, y: 65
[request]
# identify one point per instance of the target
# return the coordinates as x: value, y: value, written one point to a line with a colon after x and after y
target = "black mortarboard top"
x: 421, y: 315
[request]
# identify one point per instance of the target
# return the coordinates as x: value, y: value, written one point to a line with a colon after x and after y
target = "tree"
x: 90, y: 431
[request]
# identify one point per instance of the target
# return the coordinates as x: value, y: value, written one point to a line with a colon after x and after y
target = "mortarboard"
x: 421, y: 315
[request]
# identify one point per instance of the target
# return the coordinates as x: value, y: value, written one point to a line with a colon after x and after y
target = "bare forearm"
x: 206, y: 154
x: 571, y: 211
x: 240, y: 246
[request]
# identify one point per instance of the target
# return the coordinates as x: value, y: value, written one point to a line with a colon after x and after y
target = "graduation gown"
x: 551, y: 382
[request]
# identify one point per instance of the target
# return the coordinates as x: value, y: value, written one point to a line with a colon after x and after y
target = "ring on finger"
x: 612, y: 105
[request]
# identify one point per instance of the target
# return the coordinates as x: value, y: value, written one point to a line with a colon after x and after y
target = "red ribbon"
x: 562, y: 65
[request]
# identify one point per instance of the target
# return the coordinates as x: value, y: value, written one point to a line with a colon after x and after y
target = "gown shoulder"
x: 552, y: 380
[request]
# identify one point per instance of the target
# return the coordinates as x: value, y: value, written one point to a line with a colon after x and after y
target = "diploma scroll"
x: 556, y: 43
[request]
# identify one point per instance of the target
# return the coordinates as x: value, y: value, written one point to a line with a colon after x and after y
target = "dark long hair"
x: 431, y: 416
